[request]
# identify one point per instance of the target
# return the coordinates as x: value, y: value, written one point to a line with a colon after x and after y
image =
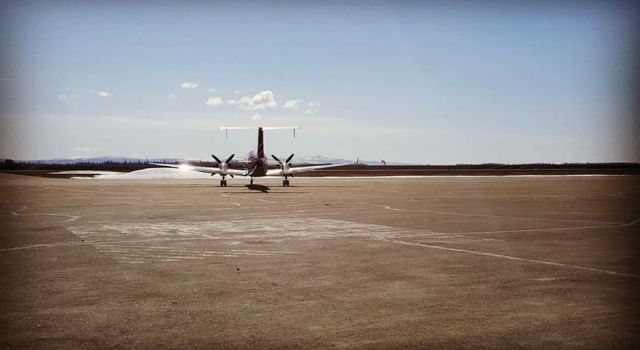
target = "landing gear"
x: 251, y: 181
x: 285, y: 182
x: 223, y: 183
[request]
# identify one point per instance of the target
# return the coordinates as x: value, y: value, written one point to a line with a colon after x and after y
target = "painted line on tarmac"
x: 100, y: 190
x: 48, y: 245
x: 388, y: 207
x: 70, y: 217
x: 509, y: 257
x: 571, y: 228
x: 17, y: 212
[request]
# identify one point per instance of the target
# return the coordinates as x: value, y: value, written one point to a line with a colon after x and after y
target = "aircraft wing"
x: 278, y: 172
x: 204, y: 169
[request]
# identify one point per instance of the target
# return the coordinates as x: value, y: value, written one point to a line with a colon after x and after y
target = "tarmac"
x: 378, y: 263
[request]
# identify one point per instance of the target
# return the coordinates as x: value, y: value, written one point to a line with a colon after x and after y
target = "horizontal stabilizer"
x: 255, y: 127
x: 259, y: 128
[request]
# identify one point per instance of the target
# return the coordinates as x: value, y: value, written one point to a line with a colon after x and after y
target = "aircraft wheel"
x: 251, y: 182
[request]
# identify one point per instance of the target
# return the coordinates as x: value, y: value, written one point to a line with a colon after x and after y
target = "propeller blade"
x: 216, y: 158
x: 289, y: 159
x: 230, y: 157
x: 231, y: 175
x: 276, y: 158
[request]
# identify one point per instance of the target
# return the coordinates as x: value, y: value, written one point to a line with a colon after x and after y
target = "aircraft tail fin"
x: 260, y: 143
x: 260, y: 149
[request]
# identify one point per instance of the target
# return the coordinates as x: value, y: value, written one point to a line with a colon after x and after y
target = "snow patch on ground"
x: 86, y: 172
x: 155, y: 173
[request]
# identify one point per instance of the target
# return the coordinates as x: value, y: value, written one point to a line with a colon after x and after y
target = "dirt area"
x: 446, y: 262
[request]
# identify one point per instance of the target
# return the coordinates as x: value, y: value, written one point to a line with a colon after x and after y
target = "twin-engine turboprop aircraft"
x: 257, y: 165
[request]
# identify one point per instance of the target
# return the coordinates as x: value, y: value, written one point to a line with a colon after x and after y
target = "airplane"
x: 257, y: 166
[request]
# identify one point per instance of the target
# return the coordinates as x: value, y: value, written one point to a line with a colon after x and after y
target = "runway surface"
x: 469, y: 262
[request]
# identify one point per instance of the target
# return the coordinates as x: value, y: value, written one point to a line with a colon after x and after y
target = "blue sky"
x: 436, y: 82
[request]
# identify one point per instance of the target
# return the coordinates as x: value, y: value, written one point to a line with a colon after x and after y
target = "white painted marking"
x: 124, y: 239
x: 553, y: 229
x: 49, y: 245
x: 545, y: 279
x: 73, y: 218
x: 132, y: 240
x: 486, y: 215
x: 18, y: 212
x: 509, y: 257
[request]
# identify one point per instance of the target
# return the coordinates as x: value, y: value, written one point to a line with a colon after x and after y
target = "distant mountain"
x: 323, y: 160
x: 320, y: 160
x: 118, y: 159
x: 100, y: 160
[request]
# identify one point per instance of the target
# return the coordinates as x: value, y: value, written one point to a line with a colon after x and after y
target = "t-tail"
x: 261, y: 130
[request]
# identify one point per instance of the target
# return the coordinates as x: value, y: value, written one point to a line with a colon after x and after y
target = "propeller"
x: 224, y: 166
x: 287, y: 163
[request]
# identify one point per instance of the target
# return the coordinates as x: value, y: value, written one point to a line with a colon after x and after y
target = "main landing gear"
x: 251, y: 181
x: 223, y: 182
x: 285, y: 182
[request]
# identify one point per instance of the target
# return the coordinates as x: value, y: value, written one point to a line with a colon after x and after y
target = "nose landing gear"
x: 285, y: 182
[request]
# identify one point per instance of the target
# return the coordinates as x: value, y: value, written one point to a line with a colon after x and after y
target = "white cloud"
x: 172, y: 97
x: 214, y: 101
x: 189, y: 85
x: 232, y: 102
x: 263, y: 99
x: 212, y: 90
x: 104, y: 94
x: 291, y: 104
x: 312, y: 107
x: 256, y: 117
